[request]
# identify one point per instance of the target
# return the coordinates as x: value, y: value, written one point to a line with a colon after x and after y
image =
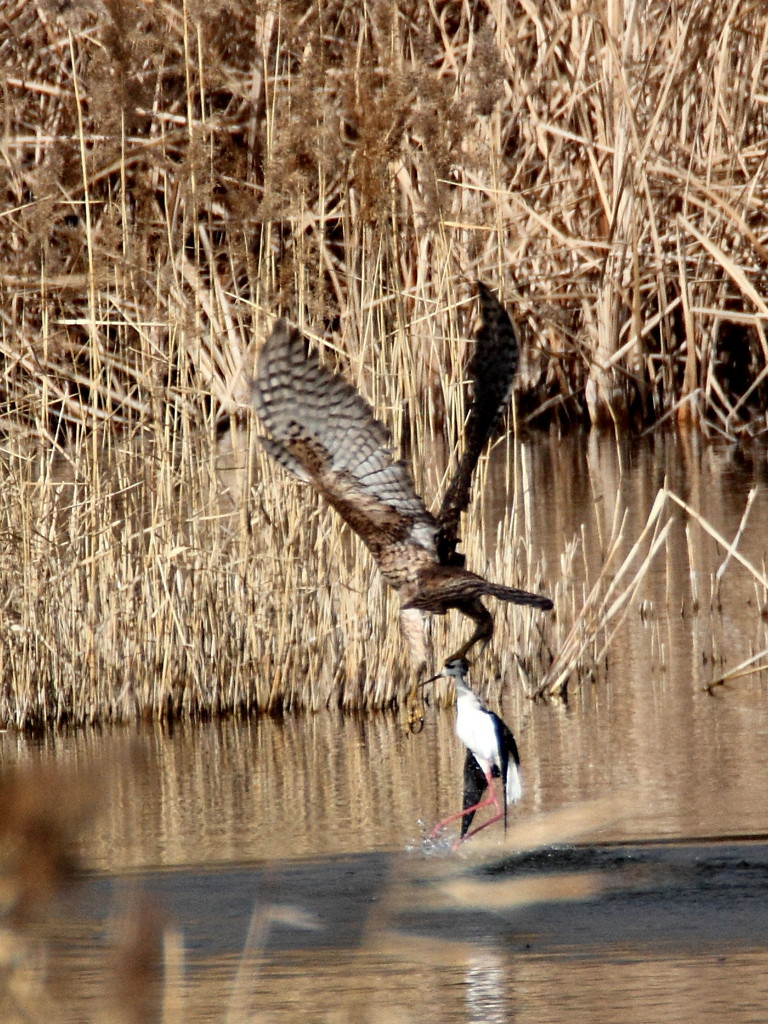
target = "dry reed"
x: 178, y: 174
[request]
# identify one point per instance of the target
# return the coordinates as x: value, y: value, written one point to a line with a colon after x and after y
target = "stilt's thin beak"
x: 431, y: 679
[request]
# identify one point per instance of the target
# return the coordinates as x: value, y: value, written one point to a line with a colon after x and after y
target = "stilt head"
x: 455, y: 668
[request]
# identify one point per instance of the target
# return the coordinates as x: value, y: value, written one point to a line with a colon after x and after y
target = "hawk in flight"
x: 323, y: 431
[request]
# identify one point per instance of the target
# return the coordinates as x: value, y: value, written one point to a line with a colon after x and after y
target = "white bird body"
x: 482, y: 731
x: 490, y: 742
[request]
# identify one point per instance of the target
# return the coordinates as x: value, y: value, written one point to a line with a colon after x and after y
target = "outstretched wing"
x: 491, y: 371
x: 326, y: 434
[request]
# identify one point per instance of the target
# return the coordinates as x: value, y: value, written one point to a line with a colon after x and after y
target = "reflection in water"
x: 485, y: 996
x: 268, y: 792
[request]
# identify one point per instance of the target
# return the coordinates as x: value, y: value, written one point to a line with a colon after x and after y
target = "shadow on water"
x: 289, y: 855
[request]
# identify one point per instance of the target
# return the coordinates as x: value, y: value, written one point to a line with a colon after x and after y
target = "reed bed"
x: 178, y: 174
x: 147, y: 580
x: 136, y: 587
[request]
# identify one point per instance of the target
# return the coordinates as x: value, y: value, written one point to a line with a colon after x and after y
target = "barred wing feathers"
x: 491, y: 371
x: 324, y: 432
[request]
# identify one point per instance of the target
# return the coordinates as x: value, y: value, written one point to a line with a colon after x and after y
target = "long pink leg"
x: 492, y: 799
x: 497, y: 817
x: 473, y: 832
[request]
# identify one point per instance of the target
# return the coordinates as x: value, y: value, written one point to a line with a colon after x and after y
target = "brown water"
x: 324, y: 817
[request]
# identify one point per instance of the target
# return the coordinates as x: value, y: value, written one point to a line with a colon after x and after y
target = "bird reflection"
x: 486, y: 998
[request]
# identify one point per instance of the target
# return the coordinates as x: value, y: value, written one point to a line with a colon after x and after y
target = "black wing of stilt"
x: 508, y: 752
x: 491, y: 371
x: 475, y: 785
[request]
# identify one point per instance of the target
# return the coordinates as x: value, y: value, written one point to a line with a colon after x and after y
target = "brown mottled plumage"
x: 326, y: 434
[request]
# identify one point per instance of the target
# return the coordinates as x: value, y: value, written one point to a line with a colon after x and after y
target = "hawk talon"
x: 415, y: 716
x: 416, y: 725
